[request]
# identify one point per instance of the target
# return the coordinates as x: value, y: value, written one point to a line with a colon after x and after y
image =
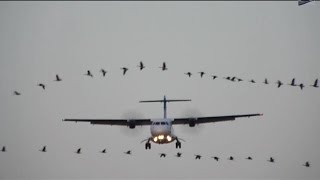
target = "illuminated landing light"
x: 161, y: 137
x: 155, y: 139
x: 169, y: 138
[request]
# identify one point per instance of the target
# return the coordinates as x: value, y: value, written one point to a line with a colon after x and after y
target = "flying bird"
x: 78, y: 151
x: 231, y: 158
x: 104, y: 151
x: 17, y: 93
x: 301, y: 86
x: 214, y: 77
x: 227, y: 78
x: 315, y: 83
x: 164, y: 67
x: 279, y: 83
x: 58, y: 78
x: 307, y: 164
x: 271, y: 160
x: 239, y: 80
x: 249, y: 158
x: 188, y: 73
x: 3, y: 149
x: 197, y: 156
x: 293, y: 82
x: 141, y: 66
x: 233, y: 78
x: 201, y: 73
x: 178, y: 154
x: 215, y: 158
x: 44, y: 149
x: 252, y: 81
x: 42, y: 85
x: 162, y: 155
x: 89, y: 74
x: 266, y: 81
x: 128, y: 152
x: 124, y: 70
x: 104, y: 72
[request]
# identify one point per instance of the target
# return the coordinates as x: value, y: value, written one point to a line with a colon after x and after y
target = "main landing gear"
x: 178, y: 144
x: 148, y: 144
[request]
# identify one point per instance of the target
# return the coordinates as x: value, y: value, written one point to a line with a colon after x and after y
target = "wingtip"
x: 261, y: 114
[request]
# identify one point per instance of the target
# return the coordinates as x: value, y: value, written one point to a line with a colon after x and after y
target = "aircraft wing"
x: 117, y: 122
x: 212, y: 119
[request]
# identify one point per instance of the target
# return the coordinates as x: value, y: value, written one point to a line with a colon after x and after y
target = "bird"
x: 301, y: 86
x: 279, y: 83
x: 239, y: 79
x: 103, y: 151
x: 188, y: 73
x: 249, y: 158
x: 266, y: 81
x: 307, y: 164
x: 58, y: 78
x: 141, y: 66
x: 44, y: 149
x: 16, y: 93
x: 293, y: 82
x: 104, y: 72
x: 89, y: 73
x: 233, y: 78
x: 128, y: 152
x: 214, y: 77
x: 78, y: 151
x: 163, y: 155
x: 197, y: 156
x: 42, y: 85
x: 252, y: 81
x: 315, y: 84
x: 178, y: 154
x: 3, y: 149
x: 227, y: 78
x: 201, y: 73
x: 124, y: 70
x: 164, y: 66
x: 215, y: 158
x: 231, y: 158
x: 271, y: 160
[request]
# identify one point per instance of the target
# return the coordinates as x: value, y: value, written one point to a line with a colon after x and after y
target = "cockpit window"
x: 163, y: 123
x: 157, y: 123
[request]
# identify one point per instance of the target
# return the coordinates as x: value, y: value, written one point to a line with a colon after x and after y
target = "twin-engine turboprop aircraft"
x: 161, y: 129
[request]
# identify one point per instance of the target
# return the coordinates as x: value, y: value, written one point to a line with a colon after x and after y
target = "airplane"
x: 161, y: 129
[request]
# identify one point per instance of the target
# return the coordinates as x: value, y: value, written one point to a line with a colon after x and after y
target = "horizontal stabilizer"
x: 169, y: 100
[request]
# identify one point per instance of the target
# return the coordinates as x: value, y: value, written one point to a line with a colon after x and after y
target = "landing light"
x: 169, y: 138
x: 161, y: 137
x: 155, y: 139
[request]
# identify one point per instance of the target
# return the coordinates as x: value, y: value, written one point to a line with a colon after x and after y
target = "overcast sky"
x: 250, y: 40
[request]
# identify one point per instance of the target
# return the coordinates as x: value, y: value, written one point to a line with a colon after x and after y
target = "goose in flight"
x: 58, y: 78
x: 188, y: 73
x: 201, y: 73
x: 128, y: 152
x: 279, y: 83
x: 197, y: 156
x: 16, y: 93
x: 141, y: 66
x: 44, y: 149
x: 293, y: 82
x: 89, y: 74
x: 104, y: 72
x: 78, y: 151
x: 164, y: 66
x: 42, y: 85
x: 215, y: 158
x: 315, y: 83
x: 178, y: 154
x: 124, y: 70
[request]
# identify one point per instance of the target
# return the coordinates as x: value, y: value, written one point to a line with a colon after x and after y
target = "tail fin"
x: 165, y: 103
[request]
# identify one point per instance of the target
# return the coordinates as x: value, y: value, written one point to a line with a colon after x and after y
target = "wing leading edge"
x: 119, y: 122
x: 212, y: 119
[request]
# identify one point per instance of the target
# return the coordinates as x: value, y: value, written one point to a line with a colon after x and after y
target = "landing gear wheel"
x: 148, y: 145
x: 178, y: 145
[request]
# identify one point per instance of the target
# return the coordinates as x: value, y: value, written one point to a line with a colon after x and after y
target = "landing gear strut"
x: 178, y: 144
x: 148, y: 145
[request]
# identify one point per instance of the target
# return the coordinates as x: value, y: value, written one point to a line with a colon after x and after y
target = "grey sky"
x: 274, y: 40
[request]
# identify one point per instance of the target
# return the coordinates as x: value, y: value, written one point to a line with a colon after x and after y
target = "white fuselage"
x: 162, y: 131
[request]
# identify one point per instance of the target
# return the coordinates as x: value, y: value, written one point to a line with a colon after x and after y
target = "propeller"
x: 132, y: 114
x: 190, y: 113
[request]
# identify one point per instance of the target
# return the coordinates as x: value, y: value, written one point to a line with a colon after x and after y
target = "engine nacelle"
x: 192, y: 122
x: 131, y: 124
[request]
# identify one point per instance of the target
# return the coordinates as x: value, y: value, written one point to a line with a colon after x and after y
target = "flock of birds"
x: 163, y: 155
x: 141, y: 66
